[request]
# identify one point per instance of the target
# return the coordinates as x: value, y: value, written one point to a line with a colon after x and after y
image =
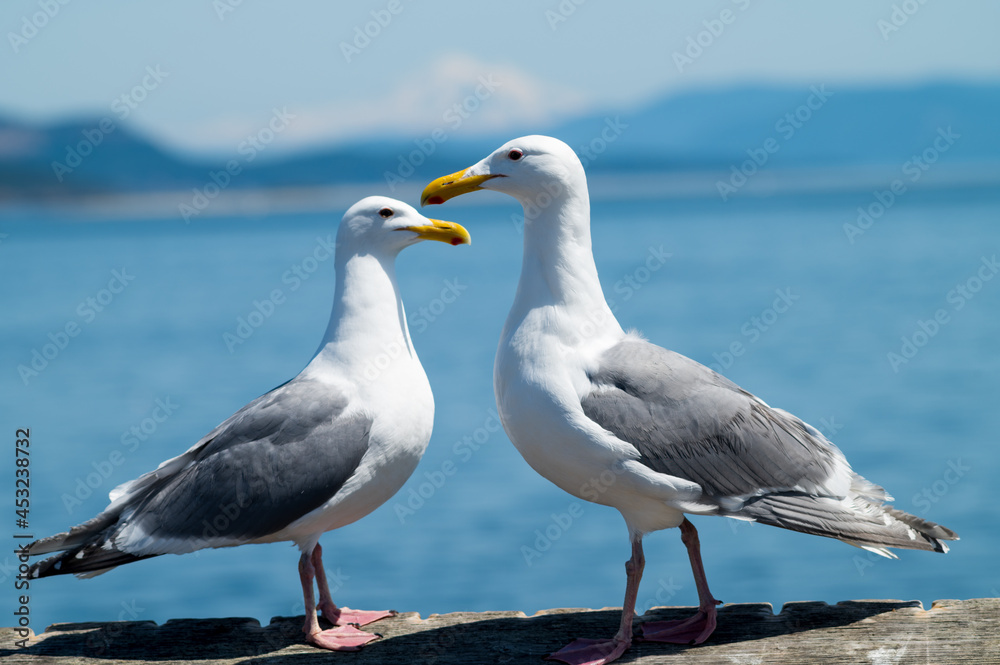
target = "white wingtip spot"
x: 881, y: 551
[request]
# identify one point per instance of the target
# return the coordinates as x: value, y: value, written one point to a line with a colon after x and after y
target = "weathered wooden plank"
x: 879, y: 632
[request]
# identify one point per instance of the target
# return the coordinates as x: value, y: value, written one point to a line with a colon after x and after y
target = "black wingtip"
x: 86, y: 561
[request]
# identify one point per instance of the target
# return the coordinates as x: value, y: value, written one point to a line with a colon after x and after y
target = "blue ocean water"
x: 771, y: 291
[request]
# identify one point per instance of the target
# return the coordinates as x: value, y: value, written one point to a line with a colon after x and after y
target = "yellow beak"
x: 449, y: 232
x: 450, y: 186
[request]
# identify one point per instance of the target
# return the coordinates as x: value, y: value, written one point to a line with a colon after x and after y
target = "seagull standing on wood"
x: 316, y: 453
x: 579, y: 397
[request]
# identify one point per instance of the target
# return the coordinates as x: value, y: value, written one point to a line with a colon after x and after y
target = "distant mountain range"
x: 696, y: 131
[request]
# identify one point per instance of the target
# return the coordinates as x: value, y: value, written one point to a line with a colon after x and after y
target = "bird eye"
x: 515, y: 155
x: 385, y: 212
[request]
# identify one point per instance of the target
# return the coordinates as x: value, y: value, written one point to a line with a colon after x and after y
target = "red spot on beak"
x: 456, y: 241
x: 435, y: 200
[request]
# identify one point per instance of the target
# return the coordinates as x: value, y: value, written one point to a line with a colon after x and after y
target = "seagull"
x: 315, y: 454
x: 589, y: 405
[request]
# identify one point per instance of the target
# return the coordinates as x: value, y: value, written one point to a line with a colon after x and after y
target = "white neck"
x: 367, y: 320
x: 558, y: 268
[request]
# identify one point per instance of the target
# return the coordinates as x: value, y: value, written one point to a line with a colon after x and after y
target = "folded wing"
x: 275, y: 460
x: 752, y: 461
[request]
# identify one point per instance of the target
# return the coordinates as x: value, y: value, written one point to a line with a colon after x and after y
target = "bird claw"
x: 693, y: 630
x: 345, y: 616
x: 341, y: 638
x: 584, y: 651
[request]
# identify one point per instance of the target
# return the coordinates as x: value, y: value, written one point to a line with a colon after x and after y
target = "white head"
x: 524, y: 168
x: 383, y: 226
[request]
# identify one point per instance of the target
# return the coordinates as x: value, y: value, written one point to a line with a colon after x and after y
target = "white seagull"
x: 316, y: 453
x: 581, y: 398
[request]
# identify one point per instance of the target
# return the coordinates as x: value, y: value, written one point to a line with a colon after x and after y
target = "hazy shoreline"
x: 607, y: 186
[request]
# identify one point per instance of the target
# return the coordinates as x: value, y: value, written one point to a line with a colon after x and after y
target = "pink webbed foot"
x: 698, y: 628
x: 693, y: 630
x: 585, y: 651
x: 338, y: 616
x: 344, y: 616
x: 344, y: 636
x: 341, y: 638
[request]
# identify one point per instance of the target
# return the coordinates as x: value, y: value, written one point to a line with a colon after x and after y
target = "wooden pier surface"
x: 876, y: 632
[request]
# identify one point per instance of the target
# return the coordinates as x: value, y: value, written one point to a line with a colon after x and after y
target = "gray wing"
x: 688, y: 421
x: 273, y: 461
x: 751, y: 461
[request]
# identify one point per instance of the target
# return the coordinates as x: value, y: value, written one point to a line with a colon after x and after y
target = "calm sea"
x: 771, y: 291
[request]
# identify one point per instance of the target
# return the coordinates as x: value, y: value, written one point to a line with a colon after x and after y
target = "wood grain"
x: 877, y: 632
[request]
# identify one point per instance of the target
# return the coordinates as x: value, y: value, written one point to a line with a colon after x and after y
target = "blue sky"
x: 222, y: 67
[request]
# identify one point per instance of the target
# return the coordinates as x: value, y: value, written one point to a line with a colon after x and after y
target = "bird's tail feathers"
x: 85, y: 550
x: 78, y: 535
x: 85, y: 561
x: 857, y: 521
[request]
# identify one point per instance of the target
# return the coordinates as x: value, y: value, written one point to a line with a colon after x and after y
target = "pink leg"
x: 341, y: 638
x: 340, y: 616
x: 698, y: 628
x: 600, y: 652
